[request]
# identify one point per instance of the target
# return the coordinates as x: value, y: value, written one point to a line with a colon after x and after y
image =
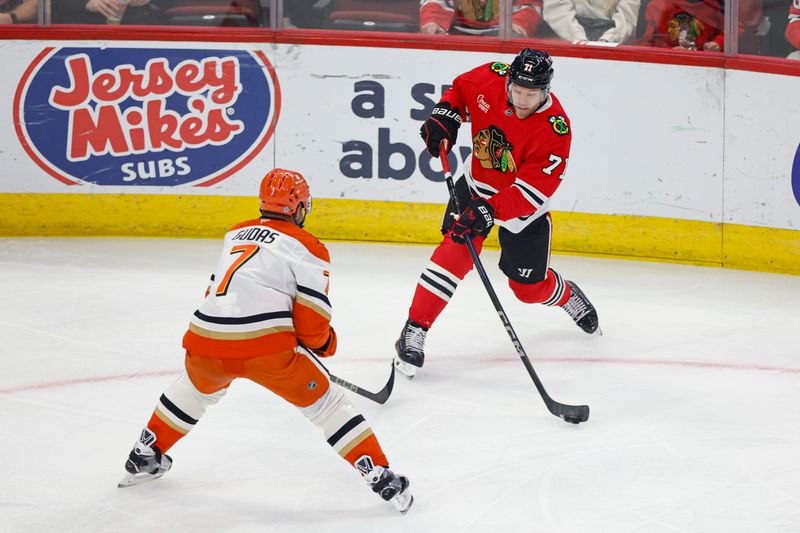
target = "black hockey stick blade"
x: 378, y: 397
x: 574, y: 414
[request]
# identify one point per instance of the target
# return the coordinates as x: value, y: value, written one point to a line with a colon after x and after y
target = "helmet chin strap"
x: 546, y: 94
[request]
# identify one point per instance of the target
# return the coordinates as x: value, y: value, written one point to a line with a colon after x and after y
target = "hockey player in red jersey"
x: 266, y: 307
x: 521, y: 139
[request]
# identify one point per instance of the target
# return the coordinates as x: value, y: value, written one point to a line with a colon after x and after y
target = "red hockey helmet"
x: 283, y: 192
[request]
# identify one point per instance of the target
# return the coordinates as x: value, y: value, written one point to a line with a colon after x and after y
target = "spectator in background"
x: 99, y: 11
x: 685, y: 25
x: 793, y: 29
x: 755, y: 26
x: 304, y: 13
x: 477, y: 17
x: 612, y: 21
x: 18, y: 11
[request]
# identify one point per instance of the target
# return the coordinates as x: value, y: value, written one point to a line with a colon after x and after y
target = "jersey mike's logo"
x: 796, y: 176
x: 143, y: 116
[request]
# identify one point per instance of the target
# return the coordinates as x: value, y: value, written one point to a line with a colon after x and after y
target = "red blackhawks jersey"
x: 793, y: 29
x: 268, y: 292
x: 671, y: 23
x: 517, y: 164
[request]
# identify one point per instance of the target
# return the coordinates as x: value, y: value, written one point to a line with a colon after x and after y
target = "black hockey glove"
x: 476, y: 220
x: 442, y: 124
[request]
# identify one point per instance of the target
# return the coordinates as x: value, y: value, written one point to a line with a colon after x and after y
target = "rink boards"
x: 685, y: 163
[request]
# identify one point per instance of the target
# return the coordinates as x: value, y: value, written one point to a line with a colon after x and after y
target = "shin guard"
x: 449, y: 264
x: 551, y: 291
x: 178, y: 410
x: 345, y: 429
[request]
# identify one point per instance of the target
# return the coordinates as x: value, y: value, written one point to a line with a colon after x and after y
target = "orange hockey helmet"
x: 283, y: 192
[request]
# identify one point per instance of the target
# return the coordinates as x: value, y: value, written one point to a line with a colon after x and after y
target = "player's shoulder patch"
x: 501, y: 69
x: 559, y: 124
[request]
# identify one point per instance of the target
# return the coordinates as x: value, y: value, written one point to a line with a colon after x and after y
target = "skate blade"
x: 137, y: 479
x: 407, y: 370
x: 598, y: 332
x: 403, y: 502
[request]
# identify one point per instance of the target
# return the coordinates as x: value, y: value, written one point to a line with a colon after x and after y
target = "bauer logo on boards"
x: 145, y: 116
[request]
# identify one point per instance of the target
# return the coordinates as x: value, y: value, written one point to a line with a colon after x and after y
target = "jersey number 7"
x: 247, y: 251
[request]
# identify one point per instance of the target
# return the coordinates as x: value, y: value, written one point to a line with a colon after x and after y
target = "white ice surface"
x: 694, y: 389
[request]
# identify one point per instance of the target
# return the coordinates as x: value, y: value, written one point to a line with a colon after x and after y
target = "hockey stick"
x: 378, y: 397
x: 574, y: 414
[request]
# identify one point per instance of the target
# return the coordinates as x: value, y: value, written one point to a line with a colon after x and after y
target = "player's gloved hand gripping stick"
x: 574, y: 414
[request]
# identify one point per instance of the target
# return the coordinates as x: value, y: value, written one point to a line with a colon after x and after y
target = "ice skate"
x: 391, y: 487
x: 410, y: 355
x: 581, y: 310
x: 145, y: 462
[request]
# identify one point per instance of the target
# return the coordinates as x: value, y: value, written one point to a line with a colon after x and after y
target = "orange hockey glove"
x: 329, y: 348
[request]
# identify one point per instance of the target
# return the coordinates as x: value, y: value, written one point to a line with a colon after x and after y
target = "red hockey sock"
x: 449, y: 264
x: 550, y: 291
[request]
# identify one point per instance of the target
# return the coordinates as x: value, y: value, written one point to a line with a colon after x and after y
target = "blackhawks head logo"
x: 684, y: 29
x: 493, y: 150
x: 559, y: 123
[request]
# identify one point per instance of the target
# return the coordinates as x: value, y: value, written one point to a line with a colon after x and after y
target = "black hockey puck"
x: 572, y: 419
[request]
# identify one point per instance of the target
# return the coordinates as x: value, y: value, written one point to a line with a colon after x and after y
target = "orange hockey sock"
x: 369, y: 447
x: 167, y: 434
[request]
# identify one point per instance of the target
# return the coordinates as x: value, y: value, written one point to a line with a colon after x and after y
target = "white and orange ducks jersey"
x: 267, y: 294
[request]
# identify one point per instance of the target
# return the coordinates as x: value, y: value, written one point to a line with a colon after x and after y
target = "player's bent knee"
x: 532, y: 293
x: 331, y: 412
x: 185, y: 396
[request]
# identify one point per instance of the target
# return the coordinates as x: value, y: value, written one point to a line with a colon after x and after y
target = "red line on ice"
x: 598, y: 360
x: 83, y: 381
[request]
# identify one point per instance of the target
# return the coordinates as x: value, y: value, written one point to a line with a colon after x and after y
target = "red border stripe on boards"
x: 768, y: 65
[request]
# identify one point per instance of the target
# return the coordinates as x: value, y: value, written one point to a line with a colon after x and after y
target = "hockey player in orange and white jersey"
x: 266, y: 302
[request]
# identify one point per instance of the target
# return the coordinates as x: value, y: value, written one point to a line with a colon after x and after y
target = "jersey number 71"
x: 556, y: 160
